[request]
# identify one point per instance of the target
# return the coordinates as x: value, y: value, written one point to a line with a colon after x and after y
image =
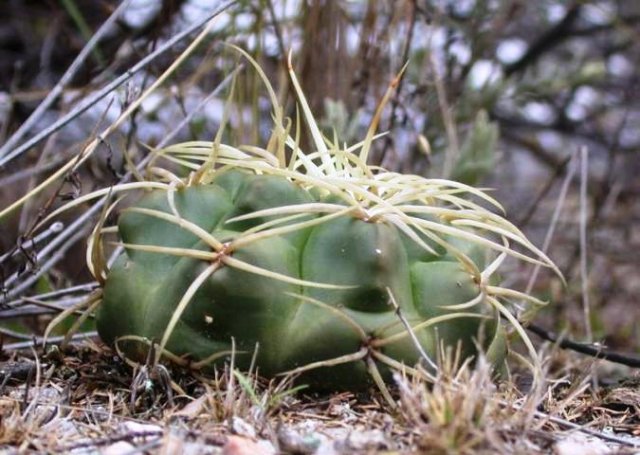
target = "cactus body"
x: 370, y: 258
x: 317, y: 264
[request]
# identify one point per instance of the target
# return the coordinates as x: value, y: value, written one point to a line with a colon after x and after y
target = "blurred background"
x: 538, y: 101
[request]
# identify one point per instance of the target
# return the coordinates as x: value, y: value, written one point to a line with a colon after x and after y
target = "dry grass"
x: 88, y: 399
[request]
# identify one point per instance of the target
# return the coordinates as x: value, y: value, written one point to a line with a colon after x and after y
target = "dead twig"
x: 591, y: 349
x: 109, y: 88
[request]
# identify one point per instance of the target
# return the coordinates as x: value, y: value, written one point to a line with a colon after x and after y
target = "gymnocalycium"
x: 311, y: 262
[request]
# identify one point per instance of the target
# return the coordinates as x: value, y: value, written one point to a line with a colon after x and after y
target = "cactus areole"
x: 314, y: 263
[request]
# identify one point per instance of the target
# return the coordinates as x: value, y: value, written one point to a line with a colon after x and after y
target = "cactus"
x: 318, y: 264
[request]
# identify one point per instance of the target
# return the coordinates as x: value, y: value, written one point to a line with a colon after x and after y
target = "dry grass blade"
x: 113, y: 85
x: 91, y: 147
x: 66, y: 78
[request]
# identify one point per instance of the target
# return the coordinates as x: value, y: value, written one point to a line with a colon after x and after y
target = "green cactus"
x: 319, y: 265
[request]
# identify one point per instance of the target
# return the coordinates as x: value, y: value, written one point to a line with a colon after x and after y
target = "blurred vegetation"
x: 497, y: 93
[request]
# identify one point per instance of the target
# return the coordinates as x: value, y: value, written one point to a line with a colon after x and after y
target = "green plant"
x: 309, y: 263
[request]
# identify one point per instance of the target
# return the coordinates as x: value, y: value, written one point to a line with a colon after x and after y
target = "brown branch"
x: 558, y: 171
x: 550, y: 39
x: 278, y: 32
x: 589, y: 349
